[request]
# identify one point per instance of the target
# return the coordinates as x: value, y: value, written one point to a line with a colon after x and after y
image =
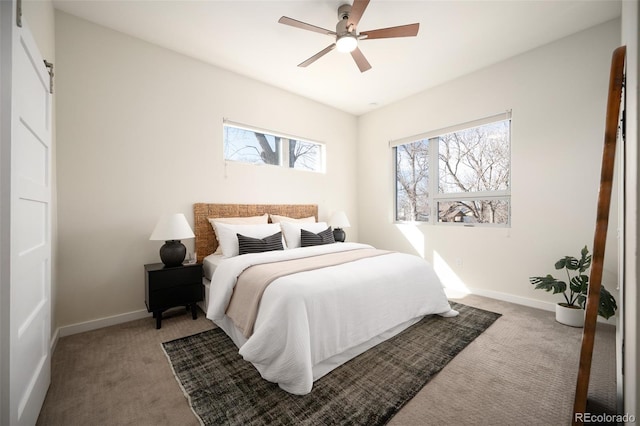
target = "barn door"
x: 26, y: 150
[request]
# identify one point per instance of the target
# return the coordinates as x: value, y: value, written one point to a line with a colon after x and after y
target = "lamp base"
x: 339, y: 235
x: 172, y: 253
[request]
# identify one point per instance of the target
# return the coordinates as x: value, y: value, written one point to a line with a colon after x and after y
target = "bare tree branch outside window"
x: 304, y: 155
x: 249, y: 146
x: 475, y: 160
x: 472, y: 176
x: 268, y: 154
x: 412, y: 181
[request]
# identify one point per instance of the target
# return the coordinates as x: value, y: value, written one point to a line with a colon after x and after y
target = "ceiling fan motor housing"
x: 341, y: 27
x: 344, y: 11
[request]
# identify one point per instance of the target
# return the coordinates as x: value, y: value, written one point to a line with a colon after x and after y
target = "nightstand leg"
x: 194, y: 311
x: 158, y: 316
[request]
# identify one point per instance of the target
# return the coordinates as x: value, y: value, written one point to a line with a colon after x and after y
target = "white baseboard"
x: 54, y: 340
x: 532, y: 303
x: 518, y: 300
x: 81, y: 327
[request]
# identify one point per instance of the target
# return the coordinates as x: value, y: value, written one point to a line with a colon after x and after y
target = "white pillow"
x: 291, y: 231
x: 249, y: 220
x: 228, y: 239
x: 279, y: 219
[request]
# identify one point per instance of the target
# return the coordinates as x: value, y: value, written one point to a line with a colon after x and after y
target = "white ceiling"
x: 455, y: 38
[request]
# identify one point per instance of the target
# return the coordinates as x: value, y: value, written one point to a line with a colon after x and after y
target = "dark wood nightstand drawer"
x: 159, y: 278
x: 175, y: 296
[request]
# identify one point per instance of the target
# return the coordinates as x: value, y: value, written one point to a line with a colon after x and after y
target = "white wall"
x: 140, y: 135
x: 40, y: 16
x: 558, y: 96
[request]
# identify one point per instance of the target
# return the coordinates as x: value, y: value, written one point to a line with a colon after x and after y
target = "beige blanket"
x: 251, y: 284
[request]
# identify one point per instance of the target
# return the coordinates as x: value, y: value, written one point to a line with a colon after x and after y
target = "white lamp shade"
x: 172, y: 227
x: 339, y: 220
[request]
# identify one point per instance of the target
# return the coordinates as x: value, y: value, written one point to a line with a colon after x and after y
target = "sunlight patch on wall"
x: 454, y: 286
x: 414, y: 236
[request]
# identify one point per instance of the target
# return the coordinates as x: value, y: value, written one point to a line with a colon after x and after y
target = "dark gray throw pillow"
x: 309, y: 238
x: 259, y: 245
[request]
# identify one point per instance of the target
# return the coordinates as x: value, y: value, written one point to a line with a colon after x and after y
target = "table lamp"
x: 171, y: 229
x: 338, y: 221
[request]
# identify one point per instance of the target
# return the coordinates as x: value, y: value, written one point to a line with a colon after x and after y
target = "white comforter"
x: 308, y: 317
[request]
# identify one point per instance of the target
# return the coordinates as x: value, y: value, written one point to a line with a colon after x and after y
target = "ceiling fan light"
x: 347, y: 43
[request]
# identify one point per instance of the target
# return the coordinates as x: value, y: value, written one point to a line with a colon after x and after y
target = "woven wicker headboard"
x: 206, y: 242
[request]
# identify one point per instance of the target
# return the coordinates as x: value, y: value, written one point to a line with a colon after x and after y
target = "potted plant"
x: 575, y: 290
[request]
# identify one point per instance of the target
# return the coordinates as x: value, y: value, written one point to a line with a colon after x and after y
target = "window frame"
x: 435, y: 196
x: 283, y: 157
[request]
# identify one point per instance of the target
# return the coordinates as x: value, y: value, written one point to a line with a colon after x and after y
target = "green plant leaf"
x: 607, y: 307
x: 569, y: 262
x: 585, y: 260
x: 549, y: 283
x: 579, y: 284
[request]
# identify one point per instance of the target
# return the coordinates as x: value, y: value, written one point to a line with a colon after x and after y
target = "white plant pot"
x: 572, y: 316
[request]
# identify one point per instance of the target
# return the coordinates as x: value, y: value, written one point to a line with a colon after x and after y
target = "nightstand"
x: 170, y: 287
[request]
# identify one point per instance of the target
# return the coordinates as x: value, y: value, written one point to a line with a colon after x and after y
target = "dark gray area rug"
x: 224, y: 389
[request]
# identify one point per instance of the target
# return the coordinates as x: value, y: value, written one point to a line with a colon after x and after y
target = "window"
x: 247, y: 145
x: 457, y: 175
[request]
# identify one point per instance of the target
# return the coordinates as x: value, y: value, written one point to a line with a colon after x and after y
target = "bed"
x: 308, y: 309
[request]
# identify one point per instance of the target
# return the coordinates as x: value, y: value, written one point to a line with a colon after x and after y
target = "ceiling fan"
x: 347, y: 35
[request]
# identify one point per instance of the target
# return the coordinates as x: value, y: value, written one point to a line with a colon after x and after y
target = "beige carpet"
x: 522, y: 370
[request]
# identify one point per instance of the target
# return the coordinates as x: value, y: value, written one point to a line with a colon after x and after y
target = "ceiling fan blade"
x: 318, y: 55
x: 304, y: 26
x: 409, y: 30
x: 357, y: 10
x: 361, y: 61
